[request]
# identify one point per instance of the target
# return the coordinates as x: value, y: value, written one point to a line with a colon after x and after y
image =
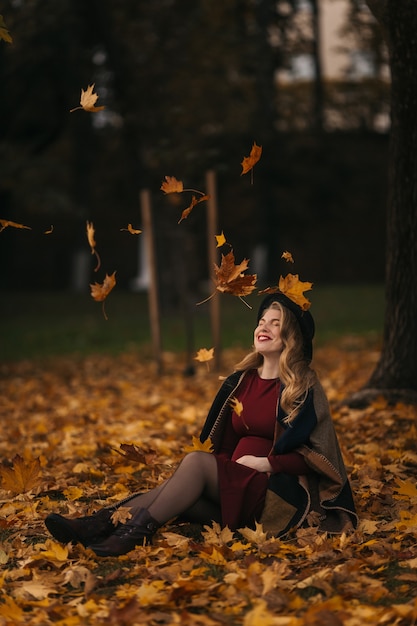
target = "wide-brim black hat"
x: 304, y: 319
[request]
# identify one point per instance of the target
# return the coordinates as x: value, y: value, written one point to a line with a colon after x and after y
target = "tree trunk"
x: 395, y: 375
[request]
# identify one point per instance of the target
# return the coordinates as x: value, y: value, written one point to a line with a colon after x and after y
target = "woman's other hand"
x: 259, y: 463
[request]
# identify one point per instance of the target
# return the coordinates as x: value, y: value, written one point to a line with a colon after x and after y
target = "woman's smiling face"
x: 267, y: 335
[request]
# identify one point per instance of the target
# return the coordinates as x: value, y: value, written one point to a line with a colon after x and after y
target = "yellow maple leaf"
x: 204, y: 446
x: 22, y: 477
x: 5, y: 223
x: 236, y: 405
x: 221, y: 240
x: 88, y: 100
x: 4, y: 33
x: 294, y: 289
x: 204, y: 355
x: 53, y: 551
x: 287, y: 256
x: 254, y: 156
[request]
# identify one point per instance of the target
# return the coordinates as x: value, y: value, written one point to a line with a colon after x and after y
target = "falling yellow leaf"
x: 293, y: 288
x: 221, y: 240
x: 236, y: 405
x: 131, y: 230
x: 204, y: 355
x: 288, y: 257
x: 5, y: 223
x: 92, y: 244
x: 172, y: 185
x: 48, y: 232
x: 88, y: 100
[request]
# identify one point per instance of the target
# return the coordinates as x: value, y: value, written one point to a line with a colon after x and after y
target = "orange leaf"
x: 5, y: 223
x: 92, y: 243
x: 252, y: 159
x: 131, y: 230
x: 230, y: 278
x: 221, y: 240
x: 288, y: 257
x: 172, y: 185
x: 22, y: 477
x: 236, y: 405
x: 100, y: 292
x: 293, y: 288
x: 88, y: 100
x: 194, y: 202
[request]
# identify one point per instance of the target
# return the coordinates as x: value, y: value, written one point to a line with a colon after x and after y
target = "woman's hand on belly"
x: 259, y: 463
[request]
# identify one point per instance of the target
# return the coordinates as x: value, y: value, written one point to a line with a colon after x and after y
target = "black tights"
x: 192, y: 492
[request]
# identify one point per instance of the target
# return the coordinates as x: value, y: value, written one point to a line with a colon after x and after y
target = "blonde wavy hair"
x: 295, y: 372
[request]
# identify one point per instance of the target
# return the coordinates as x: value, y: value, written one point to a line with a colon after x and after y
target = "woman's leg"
x: 194, y: 481
x: 193, y: 488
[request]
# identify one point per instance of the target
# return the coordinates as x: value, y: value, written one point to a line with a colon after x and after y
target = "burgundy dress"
x: 242, y: 489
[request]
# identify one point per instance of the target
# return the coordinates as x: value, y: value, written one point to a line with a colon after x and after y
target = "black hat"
x: 304, y: 318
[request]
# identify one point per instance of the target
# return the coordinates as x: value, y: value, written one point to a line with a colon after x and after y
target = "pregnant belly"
x: 258, y: 446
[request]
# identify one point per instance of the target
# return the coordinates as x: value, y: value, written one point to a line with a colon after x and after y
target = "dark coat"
x: 323, y: 497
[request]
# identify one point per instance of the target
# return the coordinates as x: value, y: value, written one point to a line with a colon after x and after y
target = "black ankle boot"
x: 86, y: 530
x: 137, y: 532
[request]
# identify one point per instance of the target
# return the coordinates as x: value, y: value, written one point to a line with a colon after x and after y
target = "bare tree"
x: 395, y: 375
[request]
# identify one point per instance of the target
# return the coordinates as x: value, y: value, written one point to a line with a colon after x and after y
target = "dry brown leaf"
x: 230, y: 278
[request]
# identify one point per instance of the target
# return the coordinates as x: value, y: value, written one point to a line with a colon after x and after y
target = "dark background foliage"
x: 188, y: 86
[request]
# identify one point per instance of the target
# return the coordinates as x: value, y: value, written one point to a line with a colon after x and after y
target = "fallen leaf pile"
x: 81, y: 433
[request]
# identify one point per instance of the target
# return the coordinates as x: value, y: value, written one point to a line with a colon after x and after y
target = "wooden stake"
x: 145, y: 203
x: 212, y: 259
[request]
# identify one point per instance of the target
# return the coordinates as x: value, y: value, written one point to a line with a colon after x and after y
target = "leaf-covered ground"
x: 64, y: 426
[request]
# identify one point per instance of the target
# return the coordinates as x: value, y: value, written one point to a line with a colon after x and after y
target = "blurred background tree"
x: 188, y: 86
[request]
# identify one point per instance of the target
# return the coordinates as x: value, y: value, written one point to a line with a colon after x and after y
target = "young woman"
x: 276, y: 457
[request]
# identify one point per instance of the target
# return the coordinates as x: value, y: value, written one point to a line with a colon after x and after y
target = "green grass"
x: 59, y: 323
